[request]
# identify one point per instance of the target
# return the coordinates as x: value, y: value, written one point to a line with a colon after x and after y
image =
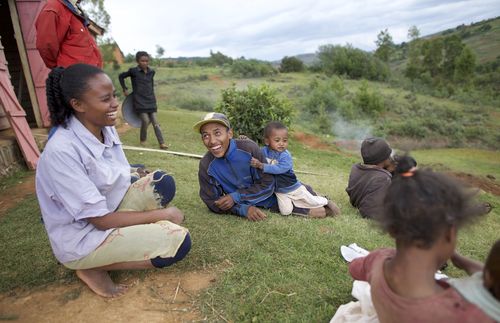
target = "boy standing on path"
x: 144, y: 96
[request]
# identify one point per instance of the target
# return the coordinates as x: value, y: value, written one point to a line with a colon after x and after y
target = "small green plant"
x: 368, y: 102
x: 251, y: 109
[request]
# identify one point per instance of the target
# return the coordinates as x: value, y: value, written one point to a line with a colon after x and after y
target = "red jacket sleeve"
x: 50, y: 35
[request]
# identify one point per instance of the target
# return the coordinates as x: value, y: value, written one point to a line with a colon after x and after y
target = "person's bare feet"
x: 163, y: 146
x: 317, y: 213
x: 100, y: 282
x: 332, y: 209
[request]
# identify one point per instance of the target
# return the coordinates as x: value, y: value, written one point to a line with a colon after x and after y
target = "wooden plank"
x: 18, y: 35
x: 17, y: 116
x: 177, y: 153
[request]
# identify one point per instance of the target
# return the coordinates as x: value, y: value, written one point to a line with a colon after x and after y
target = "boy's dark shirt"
x: 367, y: 187
x: 143, y: 88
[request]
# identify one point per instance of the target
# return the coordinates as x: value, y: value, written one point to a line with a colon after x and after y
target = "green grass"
x: 473, y: 161
x: 282, y: 269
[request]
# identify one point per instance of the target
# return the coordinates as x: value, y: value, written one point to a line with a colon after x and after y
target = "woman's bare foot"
x: 100, y: 282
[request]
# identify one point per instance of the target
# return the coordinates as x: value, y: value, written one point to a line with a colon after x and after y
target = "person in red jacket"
x: 63, y: 37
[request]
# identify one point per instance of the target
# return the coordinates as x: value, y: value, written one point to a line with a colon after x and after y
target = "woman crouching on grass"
x: 95, y: 218
x: 423, y: 212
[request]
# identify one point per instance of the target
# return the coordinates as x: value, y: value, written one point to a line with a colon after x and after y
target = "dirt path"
x: 161, y: 297
x: 14, y: 195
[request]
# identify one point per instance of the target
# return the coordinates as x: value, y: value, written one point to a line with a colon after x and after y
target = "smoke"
x: 345, y: 130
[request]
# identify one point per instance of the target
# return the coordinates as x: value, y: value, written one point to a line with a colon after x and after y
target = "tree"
x: 414, y: 64
x: 385, y: 45
x: 465, y: 65
x: 159, y: 51
x: 350, y: 61
x: 413, y: 33
x: 291, y: 64
x: 97, y: 12
x: 432, y: 51
x: 219, y: 59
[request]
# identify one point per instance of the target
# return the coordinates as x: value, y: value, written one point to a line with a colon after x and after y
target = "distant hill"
x: 482, y: 37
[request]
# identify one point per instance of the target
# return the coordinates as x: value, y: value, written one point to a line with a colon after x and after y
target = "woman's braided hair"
x: 64, y: 84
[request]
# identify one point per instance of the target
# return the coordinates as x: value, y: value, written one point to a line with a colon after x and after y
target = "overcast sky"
x: 271, y: 29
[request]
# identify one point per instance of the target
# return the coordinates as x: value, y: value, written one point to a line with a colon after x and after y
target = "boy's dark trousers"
x: 146, y: 118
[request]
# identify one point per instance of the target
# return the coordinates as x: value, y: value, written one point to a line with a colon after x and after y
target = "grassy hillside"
x: 483, y: 37
x: 412, y: 119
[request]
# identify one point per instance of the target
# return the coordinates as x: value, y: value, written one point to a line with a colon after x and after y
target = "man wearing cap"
x: 369, y: 181
x: 228, y: 184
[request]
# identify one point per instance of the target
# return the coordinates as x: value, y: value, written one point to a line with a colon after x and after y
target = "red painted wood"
x: 28, y: 10
x: 17, y: 116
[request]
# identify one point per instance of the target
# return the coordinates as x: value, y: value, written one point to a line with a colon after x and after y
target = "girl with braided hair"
x: 423, y: 212
x: 95, y: 218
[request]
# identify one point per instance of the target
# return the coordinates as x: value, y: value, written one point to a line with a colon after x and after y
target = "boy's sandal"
x: 163, y: 146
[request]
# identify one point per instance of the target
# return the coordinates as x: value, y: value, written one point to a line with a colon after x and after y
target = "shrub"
x: 291, y: 64
x: 251, y: 109
x: 368, y: 102
x: 251, y: 68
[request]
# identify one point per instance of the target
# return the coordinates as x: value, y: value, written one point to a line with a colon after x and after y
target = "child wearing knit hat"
x: 368, y: 181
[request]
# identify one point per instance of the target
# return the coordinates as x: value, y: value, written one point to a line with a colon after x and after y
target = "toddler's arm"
x: 468, y: 265
x: 282, y: 165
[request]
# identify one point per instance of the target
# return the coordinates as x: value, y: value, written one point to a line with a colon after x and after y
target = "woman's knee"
x: 164, y: 185
x: 181, y: 253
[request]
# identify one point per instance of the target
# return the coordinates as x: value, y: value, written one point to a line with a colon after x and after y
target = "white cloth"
x: 301, y: 198
x: 361, y: 311
x: 473, y: 290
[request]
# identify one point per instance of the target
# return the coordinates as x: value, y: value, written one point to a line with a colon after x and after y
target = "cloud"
x: 272, y: 29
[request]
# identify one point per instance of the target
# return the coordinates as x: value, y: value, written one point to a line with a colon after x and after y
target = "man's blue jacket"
x: 233, y: 175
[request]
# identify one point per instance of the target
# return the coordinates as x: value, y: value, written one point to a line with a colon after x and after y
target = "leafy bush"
x: 291, y: 64
x: 368, y: 102
x: 251, y: 109
x: 219, y: 59
x: 251, y: 68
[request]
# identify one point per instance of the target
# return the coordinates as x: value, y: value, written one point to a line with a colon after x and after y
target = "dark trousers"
x: 146, y: 118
